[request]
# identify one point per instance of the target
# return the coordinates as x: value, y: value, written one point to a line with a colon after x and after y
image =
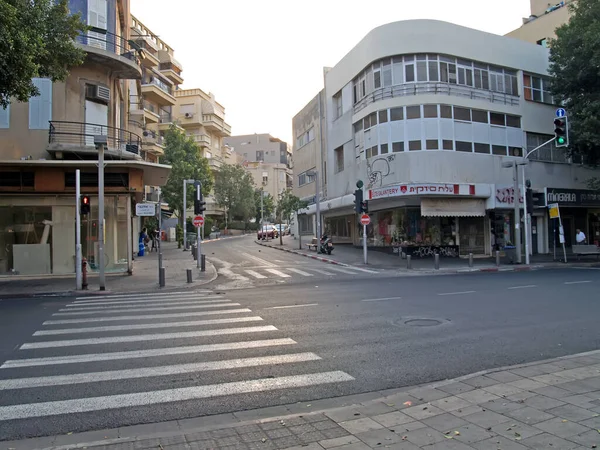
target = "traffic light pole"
x: 198, y: 193
x: 78, y: 256
x: 364, y: 236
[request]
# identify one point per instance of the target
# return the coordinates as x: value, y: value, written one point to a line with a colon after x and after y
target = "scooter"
x: 326, y: 245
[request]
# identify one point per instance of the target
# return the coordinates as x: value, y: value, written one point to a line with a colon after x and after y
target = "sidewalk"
x: 144, y: 278
x: 552, y: 404
x: 345, y: 254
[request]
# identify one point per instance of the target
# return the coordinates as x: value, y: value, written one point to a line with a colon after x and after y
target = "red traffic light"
x: 86, y: 200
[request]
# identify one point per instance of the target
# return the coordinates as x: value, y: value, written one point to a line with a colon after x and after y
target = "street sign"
x: 365, y: 219
x: 553, y: 210
x: 145, y: 209
x: 198, y: 221
x: 561, y: 112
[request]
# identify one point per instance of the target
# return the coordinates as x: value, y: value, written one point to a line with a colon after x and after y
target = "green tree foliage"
x: 186, y: 161
x: 574, y: 63
x: 287, y: 204
x: 36, y: 40
x: 268, y: 205
x: 234, y: 190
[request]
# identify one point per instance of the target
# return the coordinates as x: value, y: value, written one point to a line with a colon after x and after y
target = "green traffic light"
x: 561, y: 140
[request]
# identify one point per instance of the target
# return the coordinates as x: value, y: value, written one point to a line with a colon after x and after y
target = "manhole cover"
x: 423, y: 322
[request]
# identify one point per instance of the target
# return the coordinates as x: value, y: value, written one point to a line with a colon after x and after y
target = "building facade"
x: 539, y: 28
x: 426, y: 114
x: 43, y: 142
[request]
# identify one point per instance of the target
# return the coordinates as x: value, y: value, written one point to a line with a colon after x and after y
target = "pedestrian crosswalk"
x: 273, y: 272
x: 99, y: 356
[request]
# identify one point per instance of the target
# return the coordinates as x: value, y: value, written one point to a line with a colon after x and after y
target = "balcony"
x: 215, y: 163
x: 202, y: 139
x: 111, y: 51
x: 158, y: 91
x: 153, y: 142
x: 171, y: 71
x: 214, y: 123
x: 166, y: 56
x: 68, y: 138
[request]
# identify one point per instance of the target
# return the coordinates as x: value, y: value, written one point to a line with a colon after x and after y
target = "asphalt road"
x: 110, y: 362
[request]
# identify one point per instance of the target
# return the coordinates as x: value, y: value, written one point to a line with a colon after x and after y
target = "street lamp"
x: 315, y: 173
x: 515, y: 164
x: 100, y: 142
x: 185, y: 183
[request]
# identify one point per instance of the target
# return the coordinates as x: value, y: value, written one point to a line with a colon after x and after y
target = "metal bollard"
x: 189, y: 275
x: 436, y: 259
x: 84, y: 283
x: 497, y: 258
x: 202, y: 263
x: 408, y: 262
x: 471, y: 260
x: 161, y: 277
x: 194, y: 252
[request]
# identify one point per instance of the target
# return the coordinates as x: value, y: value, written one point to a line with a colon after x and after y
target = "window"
x: 515, y: 151
x: 371, y: 152
x: 433, y: 71
x: 499, y: 150
x: 377, y: 78
x: 446, y: 111
x: 260, y: 155
x: 479, y: 116
x: 384, y: 149
x: 339, y: 159
x: 5, y: 117
x: 396, y: 114
x: 543, y: 42
x: 40, y: 107
x: 383, y: 118
x: 513, y: 121
x: 462, y: 114
x: 421, y: 70
x: 373, y: 118
x: 430, y: 111
x: 432, y: 144
x: 397, y: 147
x: 482, y: 80
x: 482, y: 148
x: 464, y: 146
x: 304, y: 138
x: 397, y: 70
x: 387, y: 72
x: 548, y: 152
x: 497, y: 119
x: 310, y: 135
x: 409, y: 70
x: 414, y: 145
x: 413, y: 112
x: 301, y: 140
x: 447, y: 144
x: 367, y: 122
x: 337, y: 104
x: 537, y: 89
x: 302, y: 179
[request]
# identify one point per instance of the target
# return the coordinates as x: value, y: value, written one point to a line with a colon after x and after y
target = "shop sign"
x: 572, y: 197
x: 505, y: 195
x: 145, y: 209
x: 402, y: 190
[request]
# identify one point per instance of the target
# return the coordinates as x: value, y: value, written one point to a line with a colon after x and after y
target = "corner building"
x: 425, y: 113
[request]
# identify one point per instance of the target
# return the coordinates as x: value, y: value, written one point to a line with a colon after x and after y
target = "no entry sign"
x: 365, y: 219
x: 198, y: 221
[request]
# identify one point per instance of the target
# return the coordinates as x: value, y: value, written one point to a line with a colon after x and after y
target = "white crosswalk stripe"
x: 300, y: 272
x: 278, y: 273
x: 254, y: 274
x: 271, y: 273
x: 224, y: 354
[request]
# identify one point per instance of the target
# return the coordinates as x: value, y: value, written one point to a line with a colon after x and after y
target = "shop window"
x: 513, y: 121
x: 396, y: 114
x: 447, y: 144
x: 384, y: 149
x: 383, y: 116
x: 479, y: 116
x: 462, y: 114
x: 446, y: 111
x: 482, y: 148
x: 397, y: 147
x: 432, y: 144
x: 414, y: 145
x: 430, y: 111
x: 464, y: 146
x: 337, y: 227
x: 497, y: 119
x: 499, y: 150
x: 413, y: 112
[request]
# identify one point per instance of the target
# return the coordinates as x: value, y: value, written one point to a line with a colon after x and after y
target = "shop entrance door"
x: 472, y: 235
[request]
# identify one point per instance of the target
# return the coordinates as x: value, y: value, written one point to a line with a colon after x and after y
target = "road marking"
x: 278, y: 273
x: 364, y: 270
x: 145, y: 326
x: 143, y: 305
x: 140, y: 295
x: 293, y: 306
x: 523, y: 287
x: 324, y: 272
x: 337, y: 269
x: 577, y: 282
x: 114, y: 356
x: 380, y: 299
x: 261, y: 261
x: 301, y: 272
x: 148, y: 300
x: 54, y: 408
x: 231, y: 274
x: 254, y: 274
x: 457, y: 293
x: 145, y: 337
x: 119, y: 311
x: 177, y: 369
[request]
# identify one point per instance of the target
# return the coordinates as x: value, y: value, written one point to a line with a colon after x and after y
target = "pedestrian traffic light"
x: 529, y: 197
x: 358, y: 199
x: 199, y: 203
x: 561, y: 131
x: 364, y: 206
x: 84, y: 207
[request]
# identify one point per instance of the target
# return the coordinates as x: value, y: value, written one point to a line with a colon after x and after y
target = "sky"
x: 264, y: 59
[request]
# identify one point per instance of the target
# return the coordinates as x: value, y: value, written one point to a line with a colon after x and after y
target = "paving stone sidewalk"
x: 553, y: 404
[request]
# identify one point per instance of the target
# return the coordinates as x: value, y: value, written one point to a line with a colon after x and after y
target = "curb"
x: 318, y: 258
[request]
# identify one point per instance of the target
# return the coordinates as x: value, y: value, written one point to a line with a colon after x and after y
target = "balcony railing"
x: 110, y: 42
x: 434, y: 88
x: 169, y: 66
x: 82, y: 134
x: 165, y: 116
x: 158, y: 82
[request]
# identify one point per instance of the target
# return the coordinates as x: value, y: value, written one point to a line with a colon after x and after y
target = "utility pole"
x: 100, y: 142
x: 517, y: 214
x: 160, y: 256
x: 198, y: 186
x: 184, y: 213
x: 78, y: 256
x: 318, y: 208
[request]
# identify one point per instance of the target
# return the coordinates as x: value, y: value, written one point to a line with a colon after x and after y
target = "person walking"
x: 580, y: 237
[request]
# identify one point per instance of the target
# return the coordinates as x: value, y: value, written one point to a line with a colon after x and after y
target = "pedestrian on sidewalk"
x: 155, y: 238
x: 580, y: 236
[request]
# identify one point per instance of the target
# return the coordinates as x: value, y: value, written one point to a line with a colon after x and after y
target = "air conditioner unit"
x: 189, y: 115
x: 97, y: 93
x: 147, y: 133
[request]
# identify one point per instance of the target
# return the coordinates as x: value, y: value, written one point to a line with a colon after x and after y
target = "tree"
x: 594, y: 184
x: 268, y: 205
x: 234, y: 190
x: 575, y: 84
x: 287, y: 204
x: 36, y: 41
x: 186, y: 161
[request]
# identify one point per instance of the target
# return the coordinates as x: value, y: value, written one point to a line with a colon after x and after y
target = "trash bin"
x: 510, y: 254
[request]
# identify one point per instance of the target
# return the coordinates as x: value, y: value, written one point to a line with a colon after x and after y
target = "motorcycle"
x: 326, y: 244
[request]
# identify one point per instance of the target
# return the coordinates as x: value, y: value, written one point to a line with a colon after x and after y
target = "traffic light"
x: 358, y: 200
x: 561, y: 131
x: 529, y: 196
x: 364, y: 206
x: 199, y: 203
x: 84, y: 207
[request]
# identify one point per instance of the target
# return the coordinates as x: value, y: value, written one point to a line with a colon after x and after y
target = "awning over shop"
x: 453, y: 207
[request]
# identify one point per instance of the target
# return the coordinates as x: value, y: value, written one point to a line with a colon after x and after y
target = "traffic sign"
x: 561, y: 112
x: 145, y: 209
x: 365, y: 219
x: 198, y: 221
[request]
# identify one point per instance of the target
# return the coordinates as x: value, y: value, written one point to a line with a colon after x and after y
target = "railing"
x: 110, y: 42
x: 202, y: 138
x: 165, y: 116
x: 169, y: 66
x: 208, y: 118
x: 153, y: 137
x: 82, y: 134
x: 434, y: 88
x: 158, y: 82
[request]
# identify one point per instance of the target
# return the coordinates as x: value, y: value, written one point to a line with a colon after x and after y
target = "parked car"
x: 283, y: 229
x: 268, y: 231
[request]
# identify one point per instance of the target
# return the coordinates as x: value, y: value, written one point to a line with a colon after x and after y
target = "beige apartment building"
x: 539, y: 28
x: 43, y: 142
